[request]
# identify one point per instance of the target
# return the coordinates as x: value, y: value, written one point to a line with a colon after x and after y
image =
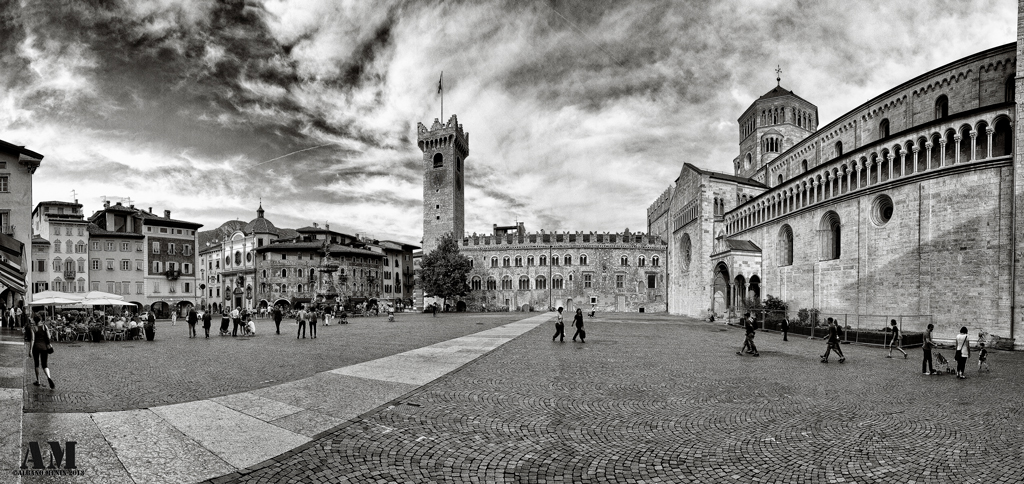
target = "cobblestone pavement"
x: 670, y: 401
x: 124, y: 375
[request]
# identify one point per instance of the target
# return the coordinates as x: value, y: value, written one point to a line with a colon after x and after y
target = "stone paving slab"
x: 254, y: 405
x: 309, y: 423
x: 152, y: 450
x: 94, y: 456
x: 237, y: 438
x: 10, y: 432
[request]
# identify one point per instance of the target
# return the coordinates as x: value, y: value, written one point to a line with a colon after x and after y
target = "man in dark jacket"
x: 207, y: 321
x: 277, y: 319
x: 192, y: 319
x: 748, y: 339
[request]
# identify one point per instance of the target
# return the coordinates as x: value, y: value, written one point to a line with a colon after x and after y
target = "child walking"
x: 983, y: 358
x: 897, y: 340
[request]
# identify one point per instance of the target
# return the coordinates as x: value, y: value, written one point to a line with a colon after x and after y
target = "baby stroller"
x: 224, y: 321
x: 942, y: 363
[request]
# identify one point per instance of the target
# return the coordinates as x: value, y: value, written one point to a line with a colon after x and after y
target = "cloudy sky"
x: 581, y: 112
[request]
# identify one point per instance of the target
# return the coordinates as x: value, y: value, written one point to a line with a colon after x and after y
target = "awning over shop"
x: 12, y: 249
x: 12, y: 278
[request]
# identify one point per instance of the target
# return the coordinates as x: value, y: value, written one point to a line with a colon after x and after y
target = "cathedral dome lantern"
x: 260, y: 225
x: 772, y: 124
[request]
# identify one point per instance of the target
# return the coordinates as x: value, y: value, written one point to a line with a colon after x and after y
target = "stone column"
x: 988, y: 132
x: 891, y: 158
x: 928, y: 155
x: 956, y: 150
x: 974, y: 145
x: 942, y: 152
x: 916, y: 149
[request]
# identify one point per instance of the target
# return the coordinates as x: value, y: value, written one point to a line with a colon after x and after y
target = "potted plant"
x: 150, y: 329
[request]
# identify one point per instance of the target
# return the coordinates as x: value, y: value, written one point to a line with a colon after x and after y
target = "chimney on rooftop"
x: 106, y: 204
x: 167, y: 214
x: 150, y: 210
x: 315, y: 226
x: 327, y: 226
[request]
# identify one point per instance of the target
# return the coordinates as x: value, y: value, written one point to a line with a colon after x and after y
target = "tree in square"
x: 443, y: 271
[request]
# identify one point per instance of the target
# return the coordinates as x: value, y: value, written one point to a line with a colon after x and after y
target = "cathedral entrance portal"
x: 720, y: 300
x: 569, y: 308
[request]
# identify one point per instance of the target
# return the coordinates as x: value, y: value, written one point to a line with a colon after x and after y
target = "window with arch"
x: 556, y: 282
x: 529, y: 260
x: 623, y: 261
x: 830, y: 233
x: 941, y: 107
x: 543, y: 260
x: 655, y: 261
x: 567, y: 259
x: 785, y: 245
x: 583, y: 259
x: 492, y: 284
x: 747, y: 161
x: 524, y: 283
x: 803, y: 165
x: 506, y: 282
x: 264, y: 274
x: 883, y: 129
x: 438, y: 160
x: 284, y: 272
x: 299, y: 273
x: 238, y: 258
x: 494, y: 262
x: 839, y: 149
x: 1011, y: 93
x: 506, y: 261
x: 779, y: 180
x: 56, y: 246
x: 641, y: 261
x: 554, y: 260
x: 541, y: 283
x: 519, y: 261
x: 684, y: 250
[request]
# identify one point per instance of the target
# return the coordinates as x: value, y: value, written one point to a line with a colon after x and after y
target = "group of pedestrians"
x: 962, y: 346
x: 577, y: 321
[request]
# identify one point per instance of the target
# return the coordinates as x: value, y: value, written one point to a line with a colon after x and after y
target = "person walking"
x: 174, y: 317
x: 207, y: 322
x: 40, y: 349
x: 559, y: 327
x: 313, y: 314
x: 434, y: 307
x: 300, y: 318
x: 926, y: 363
x: 236, y: 315
x: 577, y: 321
x: 748, y: 336
x: 192, y: 319
x: 785, y: 329
x: 963, y: 352
x: 833, y: 342
x: 277, y: 318
x: 897, y: 340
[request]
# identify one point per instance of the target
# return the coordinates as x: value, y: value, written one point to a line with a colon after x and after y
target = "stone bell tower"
x: 445, y: 148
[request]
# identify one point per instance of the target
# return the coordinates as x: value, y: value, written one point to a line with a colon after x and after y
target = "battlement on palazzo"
x: 441, y: 133
x: 543, y: 238
x: 661, y: 204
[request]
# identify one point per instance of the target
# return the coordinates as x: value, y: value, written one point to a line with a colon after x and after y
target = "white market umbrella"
x: 46, y: 295
x: 102, y: 295
x: 105, y: 302
x: 53, y: 301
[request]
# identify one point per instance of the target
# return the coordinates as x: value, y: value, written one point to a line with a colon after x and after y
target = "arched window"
x: 583, y: 259
x: 543, y: 260
x: 641, y: 261
x: 541, y: 283
x: 684, y: 250
x: 624, y: 261
x: 505, y: 261
x: 803, y: 165
x: 554, y: 260
x: 941, y: 107
x: 556, y: 282
x: 299, y: 273
x: 785, y: 246
x: 529, y: 260
x: 494, y: 262
x: 438, y: 160
x: 1002, y: 138
x: 780, y: 179
x: 830, y: 232
x: 883, y: 129
x: 475, y: 284
x: 1011, y: 93
x: 519, y: 261
x: 284, y: 272
x: 567, y: 260
x: 492, y: 284
x: 839, y: 149
x: 746, y: 161
x: 524, y: 283
x: 506, y: 282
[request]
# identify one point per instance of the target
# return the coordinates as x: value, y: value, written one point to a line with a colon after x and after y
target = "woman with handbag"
x: 963, y: 351
x: 40, y: 349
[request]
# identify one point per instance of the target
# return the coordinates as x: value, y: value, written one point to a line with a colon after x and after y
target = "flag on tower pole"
x: 440, y: 90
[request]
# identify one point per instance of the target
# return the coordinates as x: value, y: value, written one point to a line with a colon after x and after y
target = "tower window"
x: 839, y: 148
x: 883, y: 129
x: 438, y: 160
